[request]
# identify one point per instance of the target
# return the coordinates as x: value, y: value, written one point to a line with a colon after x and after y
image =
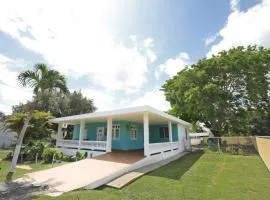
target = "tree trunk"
x: 18, y: 147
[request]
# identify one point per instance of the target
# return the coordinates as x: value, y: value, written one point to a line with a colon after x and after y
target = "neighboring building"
x: 138, y: 128
x: 7, y: 139
x: 197, y: 138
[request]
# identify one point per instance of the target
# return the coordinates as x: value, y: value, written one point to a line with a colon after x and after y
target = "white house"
x: 120, y: 141
x: 138, y: 128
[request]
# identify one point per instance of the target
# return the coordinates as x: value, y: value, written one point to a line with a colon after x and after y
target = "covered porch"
x: 151, y: 131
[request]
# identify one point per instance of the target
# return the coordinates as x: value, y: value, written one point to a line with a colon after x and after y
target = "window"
x: 133, y: 133
x: 186, y: 133
x: 163, y: 132
x: 116, y: 131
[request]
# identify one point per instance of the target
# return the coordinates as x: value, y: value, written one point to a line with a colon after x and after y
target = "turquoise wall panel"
x: 92, y: 130
x: 154, y: 136
x: 125, y: 142
x: 76, y: 132
x: 174, y: 132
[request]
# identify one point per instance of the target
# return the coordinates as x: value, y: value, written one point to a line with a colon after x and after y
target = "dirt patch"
x: 16, y: 191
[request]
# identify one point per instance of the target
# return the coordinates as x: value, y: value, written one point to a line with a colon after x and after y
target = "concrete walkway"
x: 82, y: 173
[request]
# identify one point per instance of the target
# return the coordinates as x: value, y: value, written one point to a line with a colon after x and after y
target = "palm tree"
x: 41, y: 79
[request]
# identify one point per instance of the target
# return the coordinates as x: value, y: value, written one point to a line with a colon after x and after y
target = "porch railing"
x: 94, y: 145
x: 67, y: 143
x: 83, y: 144
x: 162, y: 147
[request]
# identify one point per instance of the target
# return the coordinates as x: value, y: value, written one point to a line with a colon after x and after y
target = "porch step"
x: 132, y: 176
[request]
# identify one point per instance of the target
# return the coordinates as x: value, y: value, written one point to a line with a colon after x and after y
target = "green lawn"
x: 4, y: 165
x: 195, y: 176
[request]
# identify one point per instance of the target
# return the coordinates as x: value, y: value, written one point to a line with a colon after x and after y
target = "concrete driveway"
x: 82, y: 173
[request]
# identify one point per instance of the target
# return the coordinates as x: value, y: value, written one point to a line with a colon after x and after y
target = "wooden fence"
x: 262, y: 145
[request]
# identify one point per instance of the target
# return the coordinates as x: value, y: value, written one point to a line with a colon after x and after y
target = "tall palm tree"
x: 41, y: 79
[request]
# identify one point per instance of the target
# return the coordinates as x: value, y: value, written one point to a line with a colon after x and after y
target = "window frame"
x: 115, y: 127
x: 133, y: 132
x: 164, y: 132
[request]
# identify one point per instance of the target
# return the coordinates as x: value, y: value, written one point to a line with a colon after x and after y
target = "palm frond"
x: 28, y: 78
x: 42, y: 78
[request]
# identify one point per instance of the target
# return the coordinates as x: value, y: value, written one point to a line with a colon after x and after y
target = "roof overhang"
x: 134, y: 114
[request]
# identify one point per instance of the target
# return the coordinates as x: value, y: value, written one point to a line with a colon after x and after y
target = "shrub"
x: 9, y: 156
x: 68, y: 158
x: 33, y: 148
x: 80, y: 156
x: 49, y: 153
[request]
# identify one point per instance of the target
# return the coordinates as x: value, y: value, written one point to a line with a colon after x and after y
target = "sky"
x: 120, y: 52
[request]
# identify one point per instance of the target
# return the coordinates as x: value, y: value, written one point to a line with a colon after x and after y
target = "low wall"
x: 262, y: 144
x: 72, y: 152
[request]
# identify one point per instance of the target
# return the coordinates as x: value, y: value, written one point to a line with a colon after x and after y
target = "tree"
x: 79, y: 104
x: 60, y: 105
x: 2, y: 115
x: 39, y: 126
x: 2, y: 121
x: 225, y: 92
x: 41, y: 79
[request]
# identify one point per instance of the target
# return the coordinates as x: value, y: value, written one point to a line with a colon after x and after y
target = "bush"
x: 80, y: 156
x: 9, y: 156
x: 33, y: 148
x: 68, y: 158
x: 49, y: 153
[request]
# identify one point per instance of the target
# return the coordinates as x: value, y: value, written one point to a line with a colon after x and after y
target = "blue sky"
x: 120, y: 52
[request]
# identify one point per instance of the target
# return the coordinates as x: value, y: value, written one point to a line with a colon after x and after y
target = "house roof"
x: 131, y: 114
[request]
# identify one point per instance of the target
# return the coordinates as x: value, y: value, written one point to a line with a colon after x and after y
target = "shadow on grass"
x: 176, y: 169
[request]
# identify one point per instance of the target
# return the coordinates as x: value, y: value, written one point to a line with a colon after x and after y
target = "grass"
x: 198, y: 175
x: 4, y: 165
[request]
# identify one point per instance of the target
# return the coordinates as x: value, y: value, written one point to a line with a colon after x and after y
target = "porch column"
x: 82, y: 127
x: 59, y: 131
x: 170, y: 132
x: 109, y: 135
x: 146, y: 134
x: 181, y: 132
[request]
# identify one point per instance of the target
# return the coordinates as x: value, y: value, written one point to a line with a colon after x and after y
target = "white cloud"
x: 101, y: 100
x: 210, y: 39
x: 74, y: 38
x: 245, y: 28
x: 148, y: 44
x: 173, y: 65
x: 153, y: 98
x: 10, y: 93
x: 234, y: 5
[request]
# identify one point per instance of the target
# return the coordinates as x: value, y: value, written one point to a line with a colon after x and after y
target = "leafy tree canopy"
x: 228, y: 92
x: 59, y: 104
x: 39, y: 126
